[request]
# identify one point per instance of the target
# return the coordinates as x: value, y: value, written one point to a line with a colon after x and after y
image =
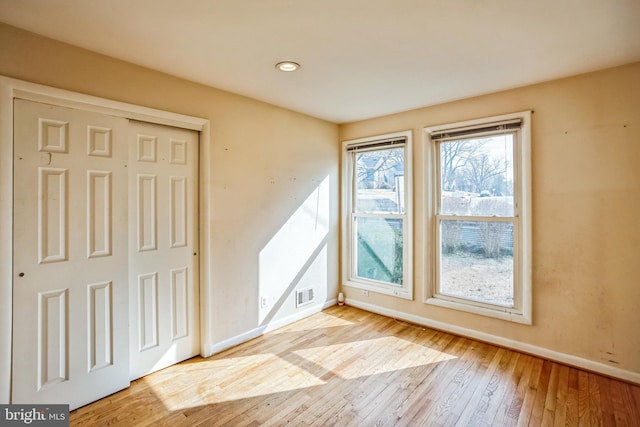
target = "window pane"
x: 476, y: 261
x: 380, y: 181
x: 476, y: 176
x: 379, y: 249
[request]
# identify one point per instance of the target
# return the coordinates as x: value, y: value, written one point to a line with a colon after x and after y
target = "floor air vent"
x: 304, y: 297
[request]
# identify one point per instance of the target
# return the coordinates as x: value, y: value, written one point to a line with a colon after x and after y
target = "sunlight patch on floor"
x: 233, y: 379
x: 227, y: 379
x: 317, y: 321
x: 363, y: 358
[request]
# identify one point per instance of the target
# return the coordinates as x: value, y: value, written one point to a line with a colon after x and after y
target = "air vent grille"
x: 304, y: 297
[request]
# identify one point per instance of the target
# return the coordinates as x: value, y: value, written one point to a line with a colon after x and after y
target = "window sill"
x: 522, y: 318
x: 398, y: 292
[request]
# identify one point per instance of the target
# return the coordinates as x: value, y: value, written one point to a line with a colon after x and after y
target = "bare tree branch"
x: 454, y: 157
x: 481, y: 169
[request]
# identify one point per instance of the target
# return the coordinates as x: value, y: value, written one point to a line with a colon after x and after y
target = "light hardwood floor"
x: 345, y: 366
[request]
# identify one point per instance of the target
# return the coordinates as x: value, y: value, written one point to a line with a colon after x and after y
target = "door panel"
x: 70, y: 331
x: 163, y: 246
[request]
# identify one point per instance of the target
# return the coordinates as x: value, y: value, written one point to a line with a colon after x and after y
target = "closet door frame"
x: 11, y: 89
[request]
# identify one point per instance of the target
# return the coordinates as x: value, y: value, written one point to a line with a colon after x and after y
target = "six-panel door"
x: 105, y: 252
x: 70, y: 329
x: 163, y: 246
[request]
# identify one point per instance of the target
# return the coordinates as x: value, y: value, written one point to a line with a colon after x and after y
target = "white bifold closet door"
x: 70, y: 288
x: 163, y: 242
x: 105, y: 261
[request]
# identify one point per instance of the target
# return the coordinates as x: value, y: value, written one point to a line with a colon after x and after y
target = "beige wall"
x: 586, y: 213
x: 269, y: 165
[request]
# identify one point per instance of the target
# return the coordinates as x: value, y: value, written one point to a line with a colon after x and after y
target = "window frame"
x: 521, y: 312
x: 349, y: 215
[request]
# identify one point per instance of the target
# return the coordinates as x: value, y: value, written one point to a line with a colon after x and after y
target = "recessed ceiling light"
x: 287, y: 66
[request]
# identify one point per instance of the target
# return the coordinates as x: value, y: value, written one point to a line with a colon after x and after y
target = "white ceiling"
x: 360, y: 58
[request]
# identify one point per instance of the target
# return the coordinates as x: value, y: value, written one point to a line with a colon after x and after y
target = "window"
x: 480, y: 217
x: 377, y: 214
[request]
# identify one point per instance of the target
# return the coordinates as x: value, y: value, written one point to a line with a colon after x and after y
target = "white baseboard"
x: 256, y: 332
x: 566, y: 359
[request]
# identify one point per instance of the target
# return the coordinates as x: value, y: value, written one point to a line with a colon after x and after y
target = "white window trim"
x: 522, y: 240
x: 406, y: 290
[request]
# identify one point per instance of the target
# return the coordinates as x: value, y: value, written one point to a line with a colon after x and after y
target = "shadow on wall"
x: 296, y: 257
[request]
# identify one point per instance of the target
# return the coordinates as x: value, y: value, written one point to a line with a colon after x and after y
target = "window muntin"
x: 378, y: 245
x: 480, y: 217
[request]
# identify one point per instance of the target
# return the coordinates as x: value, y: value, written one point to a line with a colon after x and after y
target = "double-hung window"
x: 480, y: 217
x: 377, y: 214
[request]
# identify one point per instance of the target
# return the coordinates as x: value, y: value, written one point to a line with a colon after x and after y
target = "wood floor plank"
x: 595, y: 401
x: 348, y: 367
x: 606, y: 404
x: 515, y: 405
x: 377, y: 410
x: 584, y: 414
x: 432, y: 390
x: 551, y: 396
x: 561, y: 397
x: 530, y: 391
x: 479, y: 377
x: 500, y: 388
x: 415, y: 382
x: 634, y: 395
x: 541, y: 386
x: 631, y: 410
x: 572, y: 415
